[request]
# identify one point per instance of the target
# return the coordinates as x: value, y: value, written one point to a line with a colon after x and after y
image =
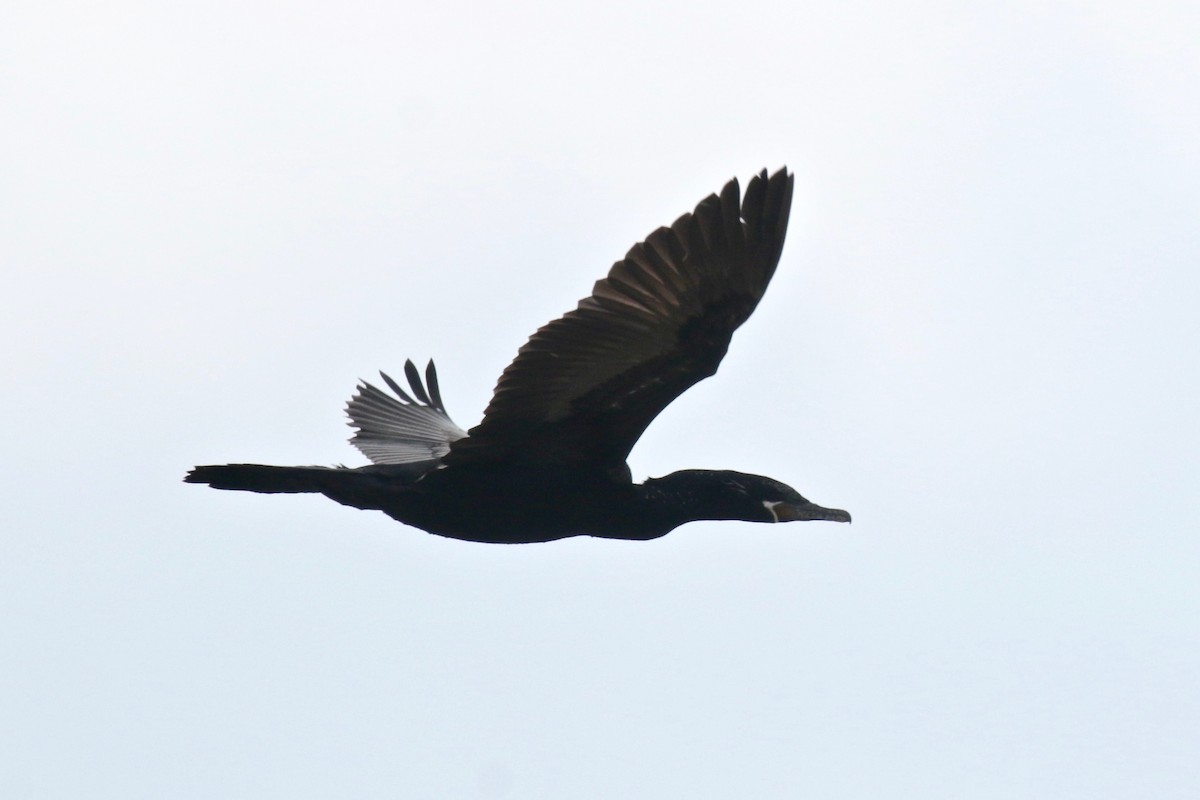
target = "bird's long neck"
x: 653, y: 509
x: 687, y: 496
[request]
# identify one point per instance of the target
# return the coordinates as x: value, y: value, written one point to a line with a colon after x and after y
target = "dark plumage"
x: 548, y: 459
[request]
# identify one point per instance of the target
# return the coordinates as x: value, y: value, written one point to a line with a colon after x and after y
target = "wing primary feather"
x: 431, y: 383
x: 414, y: 380
x: 734, y: 235
x: 395, y: 387
x: 752, y: 202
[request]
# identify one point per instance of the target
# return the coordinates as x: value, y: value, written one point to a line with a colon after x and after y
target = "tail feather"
x: 371, y: 487
x: 263, y: 478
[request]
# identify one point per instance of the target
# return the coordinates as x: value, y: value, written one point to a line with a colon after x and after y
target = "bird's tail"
x: 262, y: 478
x: 362, y: 487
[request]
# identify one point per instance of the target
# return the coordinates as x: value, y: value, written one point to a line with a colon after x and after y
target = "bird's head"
x: 724, y: 494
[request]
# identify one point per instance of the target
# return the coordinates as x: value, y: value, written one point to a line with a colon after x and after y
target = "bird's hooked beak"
x: 794, y: 512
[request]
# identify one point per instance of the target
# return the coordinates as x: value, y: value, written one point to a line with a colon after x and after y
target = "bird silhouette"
x: 548, y: 460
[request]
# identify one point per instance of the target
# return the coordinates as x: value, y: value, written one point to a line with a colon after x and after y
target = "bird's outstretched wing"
x: 585, y: 386
x: 404, y: 430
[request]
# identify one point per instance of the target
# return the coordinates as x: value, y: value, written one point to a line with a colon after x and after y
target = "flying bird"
x: 548, y: 460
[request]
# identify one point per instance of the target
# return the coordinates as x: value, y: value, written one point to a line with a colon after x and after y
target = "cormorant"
x: 548, y: 459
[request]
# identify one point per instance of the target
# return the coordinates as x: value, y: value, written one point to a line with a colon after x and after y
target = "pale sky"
x: 982, y: 340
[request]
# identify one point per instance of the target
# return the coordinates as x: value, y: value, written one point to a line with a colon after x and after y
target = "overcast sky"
x: 982, y: 340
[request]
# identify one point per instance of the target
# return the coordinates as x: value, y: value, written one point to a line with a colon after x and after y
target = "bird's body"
x: 548, y: 459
